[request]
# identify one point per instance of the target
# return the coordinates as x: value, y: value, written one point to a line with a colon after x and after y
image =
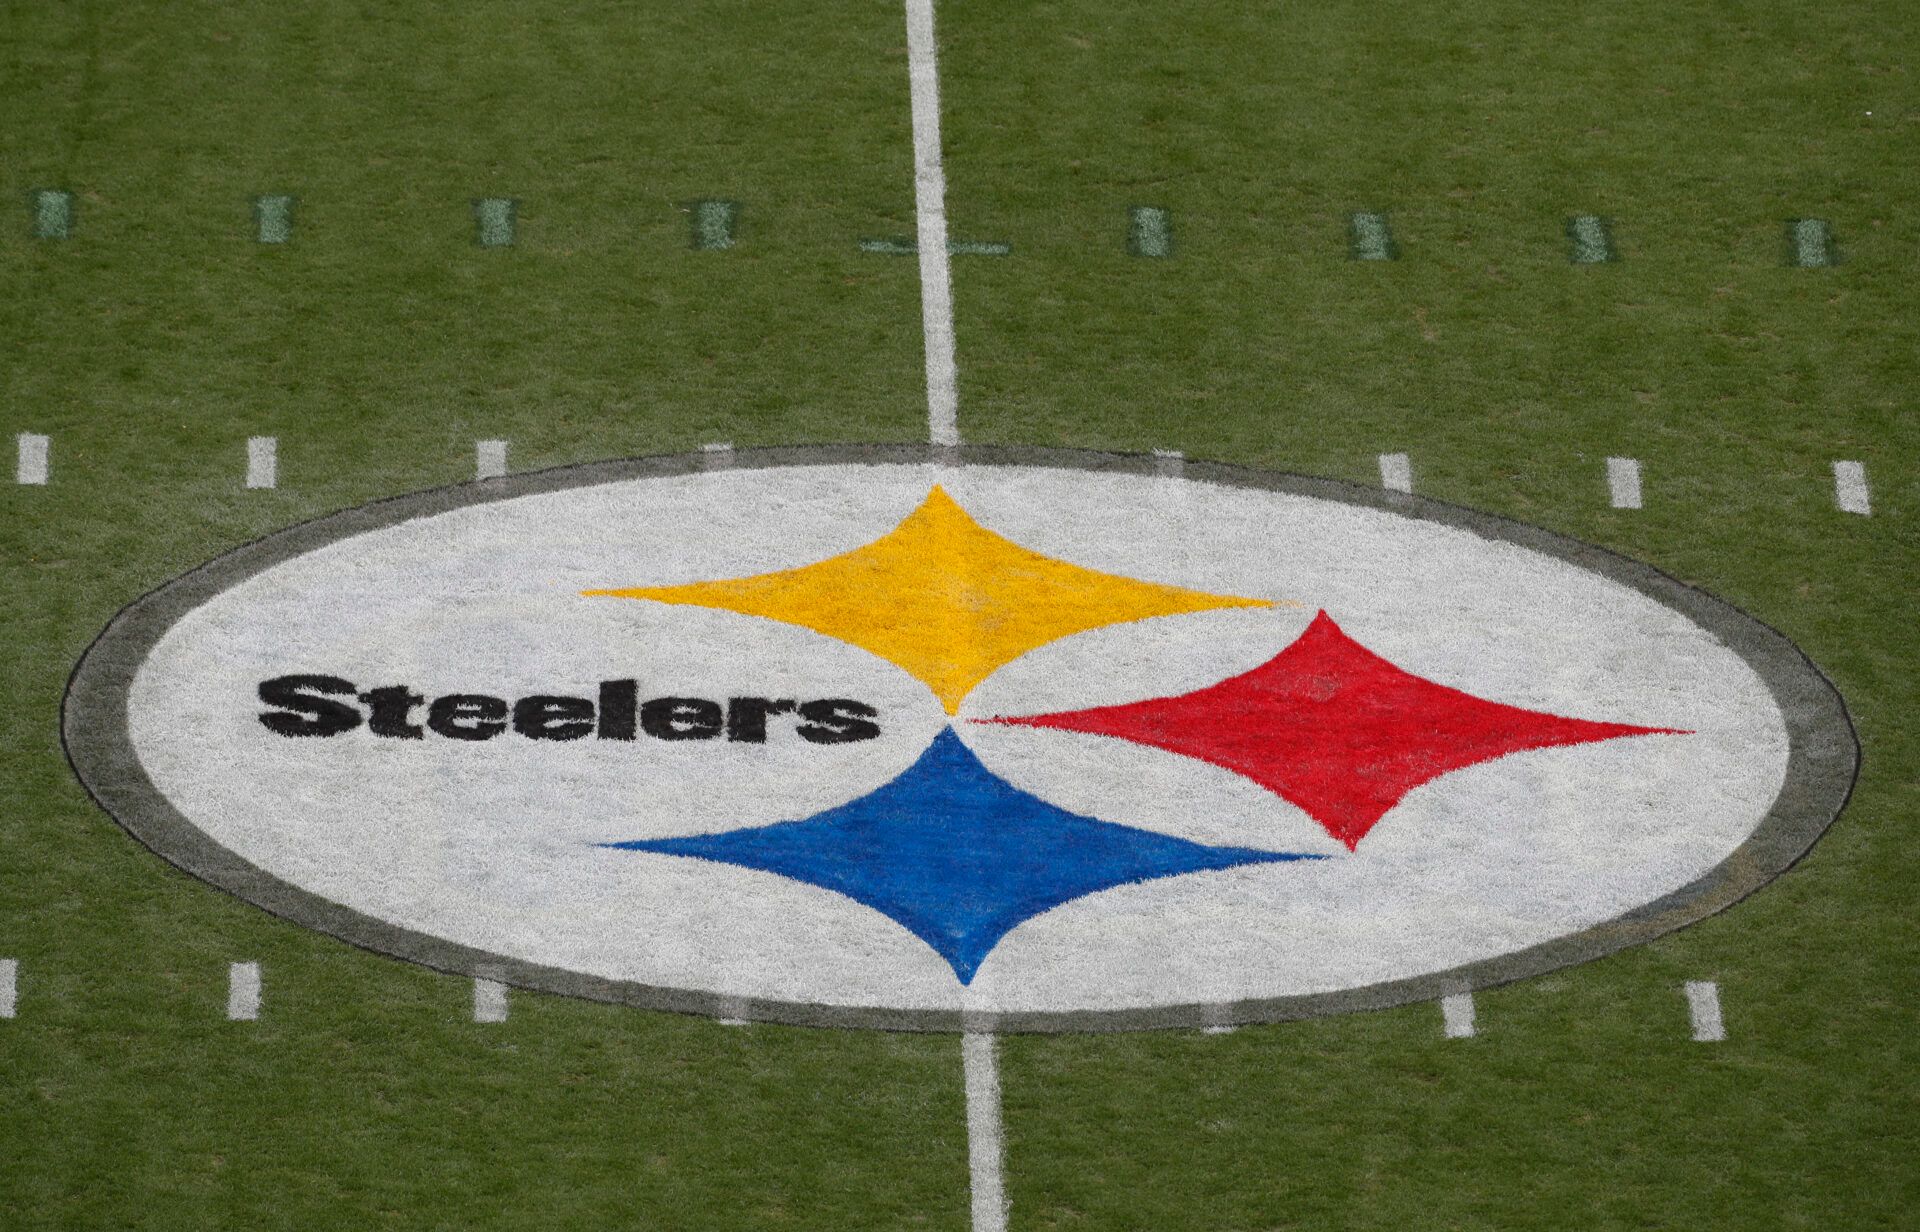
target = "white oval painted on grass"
x: 1051, y: 743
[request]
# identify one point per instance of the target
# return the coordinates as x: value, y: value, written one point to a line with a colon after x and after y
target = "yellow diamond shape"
x: 943, y: 597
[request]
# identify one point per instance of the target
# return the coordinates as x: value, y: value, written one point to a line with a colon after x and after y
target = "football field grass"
x: 150, y: 334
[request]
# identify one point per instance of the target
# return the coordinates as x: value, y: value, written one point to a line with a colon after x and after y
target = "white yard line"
x: 930, y: 208
x: 489, y: 1000
x: 1456, y: 1011
x: 263, y: 462
x: 1850, y: 488
x: 985, y: 1138
x: 9, y: 986
x: 243, y: 991
x: 489, y: 459
x: 719, y: 455
x: 1396, y: 473
x: 1169, y: 462
x: 1623, y: 482
x: 30, y: 465
x: 1703, y: 1005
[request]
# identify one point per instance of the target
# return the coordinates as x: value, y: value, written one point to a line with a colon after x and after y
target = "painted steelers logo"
x: 1036, y: 742
x: 960, y: 856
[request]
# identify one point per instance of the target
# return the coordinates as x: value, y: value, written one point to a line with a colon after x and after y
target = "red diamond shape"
x: 1334, y: 728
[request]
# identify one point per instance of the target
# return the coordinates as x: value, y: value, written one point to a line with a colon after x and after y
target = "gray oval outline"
x: 1822, y: 765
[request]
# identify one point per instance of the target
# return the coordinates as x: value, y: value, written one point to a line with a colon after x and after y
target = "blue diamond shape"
x: 956, y: 854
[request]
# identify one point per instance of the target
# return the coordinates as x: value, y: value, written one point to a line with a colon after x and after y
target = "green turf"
x: 381, y: 340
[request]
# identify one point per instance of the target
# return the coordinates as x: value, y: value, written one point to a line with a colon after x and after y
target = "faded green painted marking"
x: 713, y: 223
x: 902, y: 246
x: 1810, y: 243
x: 273, y: 218
x: 52, y: 213
x: 493, y: 221
x: 1592, y: 240
x: 1149, y: 231
x: 1370, y: 238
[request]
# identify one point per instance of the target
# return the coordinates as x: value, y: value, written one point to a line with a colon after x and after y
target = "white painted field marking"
x: 263, y: 462
x: 1456, y: 1011
x: 713, y: 224
x: 1370, y: 238
x: 489, y: 459
x: 719, y: 455
x: 273, y: 218
x: 1592, y: 239
x: 985, y: 1138
x: 734, y: 1011
x: 1216, y: 1022
x: 1850, y: 488
x: 489, y: 1000
x: 243, y: 991
x: 9, y: 986
x: 52, y: 213
x: 1396, y: 473
x: 1623, y: 482
x: 1811, y: 240
x: 1703, y: 1004
x: 494, y: 219
x: 30, y: 463
x: 1149, y: 231
x: 1170, y: 463
x: 930, y: 210
x: 955, y: 248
